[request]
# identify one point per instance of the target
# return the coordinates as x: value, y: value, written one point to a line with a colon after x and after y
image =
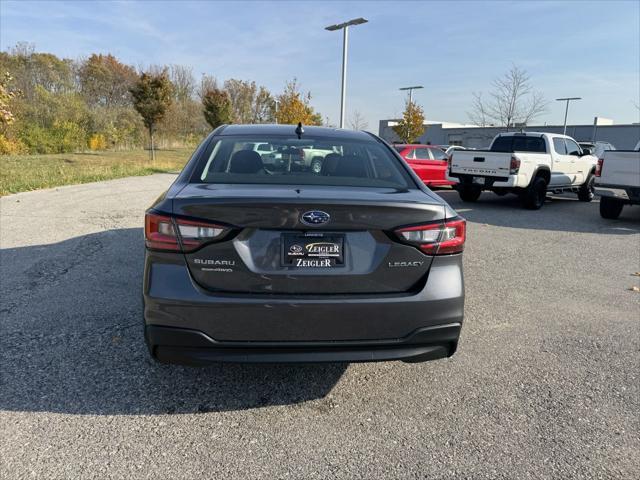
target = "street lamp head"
x: 340, y: 26
x: 411, y: 88
x: 568, y: 98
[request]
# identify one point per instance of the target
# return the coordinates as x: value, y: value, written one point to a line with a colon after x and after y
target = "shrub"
x: 97, y: 142
x: 11, y: 147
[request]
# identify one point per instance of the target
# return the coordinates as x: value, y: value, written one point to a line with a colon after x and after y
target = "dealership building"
x: 622, y: 136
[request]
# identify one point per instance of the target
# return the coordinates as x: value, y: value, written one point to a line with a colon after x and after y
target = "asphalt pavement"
x: 545, y: 383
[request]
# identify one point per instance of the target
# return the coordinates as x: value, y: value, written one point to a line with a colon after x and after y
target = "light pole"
x: 411, y: 89
x: 345, y: 40
x: 566, y: 110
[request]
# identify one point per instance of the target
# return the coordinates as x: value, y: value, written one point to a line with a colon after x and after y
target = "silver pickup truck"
x: 618, y: 180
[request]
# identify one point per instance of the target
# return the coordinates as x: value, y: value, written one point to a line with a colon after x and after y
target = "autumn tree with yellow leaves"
x: 411, y: 126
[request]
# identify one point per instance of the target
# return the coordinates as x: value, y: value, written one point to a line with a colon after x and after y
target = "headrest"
x: 246, y: 161
x: 351, y: 166
x: 330, y: 163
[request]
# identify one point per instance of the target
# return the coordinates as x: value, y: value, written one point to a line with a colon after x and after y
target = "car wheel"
x: 469, y: 193
x: 610, y: 207
x: 587, y: 192
x: 534, y: 196
x: 316, y: 165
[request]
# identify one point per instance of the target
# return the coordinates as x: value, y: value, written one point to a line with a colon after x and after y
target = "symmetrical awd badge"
x: 315, y: 217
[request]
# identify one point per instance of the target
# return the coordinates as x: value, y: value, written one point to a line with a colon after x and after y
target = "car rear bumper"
x: 627, y: 194
x: 192, y: 347
x: 300, y: 328
x: 488, y: 181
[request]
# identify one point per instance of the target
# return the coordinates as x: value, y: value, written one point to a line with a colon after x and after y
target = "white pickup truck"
x: 618, y: 180
x: 525, y: 163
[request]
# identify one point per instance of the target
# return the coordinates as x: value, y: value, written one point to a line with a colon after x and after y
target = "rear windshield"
x: 518, y: 143
x: 307, y: 161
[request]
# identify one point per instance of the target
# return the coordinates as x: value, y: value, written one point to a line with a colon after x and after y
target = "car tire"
x: 469, y: 193
x: 316, y: 165
x: 610, y: 208
x: 534, y: 196
x: 587, y: 192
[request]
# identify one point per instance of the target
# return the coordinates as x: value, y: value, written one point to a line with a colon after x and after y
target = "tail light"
x: 514, y: 166
x: 599, y: 166
x: 436, y: 238
x: 162, y: 232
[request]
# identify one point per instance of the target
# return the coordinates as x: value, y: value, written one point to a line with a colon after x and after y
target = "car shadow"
x: 563, y: 212
x: 72, y: 341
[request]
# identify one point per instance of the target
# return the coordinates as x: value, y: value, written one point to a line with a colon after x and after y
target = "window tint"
x: 519, y: 143
x: 502, y: 144
x: 439, y: 154
x: 528, y: 144
x: 572, y: 147
x: 358, y: 163
x: 422, y: 154
x: 559, y: 146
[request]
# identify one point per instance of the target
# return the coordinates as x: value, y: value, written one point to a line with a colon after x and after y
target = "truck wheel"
x: 610, y: 207
x: 535, y: 194
x: 586, y: 192
x: 469, y: 193
x: 316, y: 165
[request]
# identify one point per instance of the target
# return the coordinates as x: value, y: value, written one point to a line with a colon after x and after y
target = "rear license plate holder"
x: 312, y: 250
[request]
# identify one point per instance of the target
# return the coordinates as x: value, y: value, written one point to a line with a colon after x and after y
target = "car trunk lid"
x: 352, y: 253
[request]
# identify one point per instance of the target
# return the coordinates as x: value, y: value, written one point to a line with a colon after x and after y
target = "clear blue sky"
x: 586, y: 49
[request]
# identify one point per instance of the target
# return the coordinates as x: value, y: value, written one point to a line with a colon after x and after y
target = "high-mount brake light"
x: 160, y: 233
x: 599, y: 166
x: 436, y: 238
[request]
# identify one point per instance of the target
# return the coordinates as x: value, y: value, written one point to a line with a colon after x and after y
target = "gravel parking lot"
x: 545, y: 383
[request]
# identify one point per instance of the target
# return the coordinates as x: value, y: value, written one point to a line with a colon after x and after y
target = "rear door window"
x: 439, y: 154
x: 422, y: 154
x: 559, y: 146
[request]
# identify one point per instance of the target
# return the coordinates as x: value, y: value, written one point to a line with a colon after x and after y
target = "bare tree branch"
x: 478, y: 114
x: 357, y: 121
x: 512, y: 101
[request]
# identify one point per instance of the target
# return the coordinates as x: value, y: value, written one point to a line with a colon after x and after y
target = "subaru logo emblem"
x: 315, y: 217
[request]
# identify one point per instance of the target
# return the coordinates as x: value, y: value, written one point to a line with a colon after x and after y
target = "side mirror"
x: 586, y: 151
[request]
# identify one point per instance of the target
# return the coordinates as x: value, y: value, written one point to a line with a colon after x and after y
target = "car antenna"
x: 299, y: 130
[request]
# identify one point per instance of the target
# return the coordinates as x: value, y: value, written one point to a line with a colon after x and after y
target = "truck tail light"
x: 514, y: 166
x: 599, y: 166
x: 172, y: 234
x: 436, y: 238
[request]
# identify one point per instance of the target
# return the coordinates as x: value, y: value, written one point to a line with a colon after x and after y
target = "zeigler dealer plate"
x: 316, y: 251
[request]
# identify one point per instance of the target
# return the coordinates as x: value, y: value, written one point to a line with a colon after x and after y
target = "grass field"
x: 20, y: 173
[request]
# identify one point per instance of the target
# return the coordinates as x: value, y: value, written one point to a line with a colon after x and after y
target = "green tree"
x: 152, y: 96
x: 411, y: 126
x: 295, y: 106
x: 217, y: 107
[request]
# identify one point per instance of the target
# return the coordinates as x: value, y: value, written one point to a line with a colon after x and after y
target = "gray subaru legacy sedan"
x: 279, y: 243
